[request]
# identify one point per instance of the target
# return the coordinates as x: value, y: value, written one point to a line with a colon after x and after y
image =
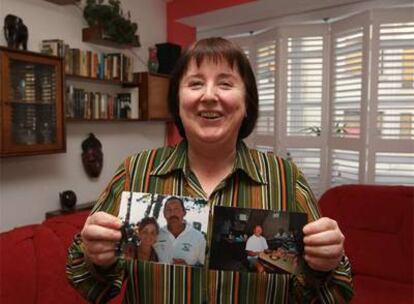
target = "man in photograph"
x: 178, y: 242
x: 255, y: 245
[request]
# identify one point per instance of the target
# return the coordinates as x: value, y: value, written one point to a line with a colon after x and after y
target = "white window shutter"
x: 308, y: 161
x: 394, y: 168
x: 304, y: 86
x: 345, y: 167
x: 349, y: 77
x: 395, y: 94
x: 347, y: 83
x: 266, y: 85
x: 391, y: 159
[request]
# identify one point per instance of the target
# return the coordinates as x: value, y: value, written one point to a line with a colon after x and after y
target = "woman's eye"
x: 225, y: 85
x: 195, y: 84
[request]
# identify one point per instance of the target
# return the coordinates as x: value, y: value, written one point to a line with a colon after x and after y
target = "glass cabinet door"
x: 32, y: 104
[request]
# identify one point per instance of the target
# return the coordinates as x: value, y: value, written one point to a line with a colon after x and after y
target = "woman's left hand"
x: 324, y: 244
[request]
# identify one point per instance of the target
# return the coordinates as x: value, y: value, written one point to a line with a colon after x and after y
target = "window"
x: 339, y: 98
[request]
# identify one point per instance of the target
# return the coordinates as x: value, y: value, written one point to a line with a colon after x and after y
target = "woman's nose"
x: 210, y: 92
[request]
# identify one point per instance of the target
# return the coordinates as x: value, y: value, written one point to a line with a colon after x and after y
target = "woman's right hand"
x: 100, y: 235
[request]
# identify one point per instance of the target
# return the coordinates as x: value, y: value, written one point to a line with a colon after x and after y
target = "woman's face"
x: 212, y: 102
x: 148, y: 235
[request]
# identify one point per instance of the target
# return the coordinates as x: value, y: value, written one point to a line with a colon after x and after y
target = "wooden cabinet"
x: 153, y: 96
x: 31, y: 103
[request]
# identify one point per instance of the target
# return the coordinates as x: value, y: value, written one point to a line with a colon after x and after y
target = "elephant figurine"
x: 15, y: 32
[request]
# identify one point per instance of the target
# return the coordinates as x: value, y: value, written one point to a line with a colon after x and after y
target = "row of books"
x: 81, y: 104
x: 109, y: 66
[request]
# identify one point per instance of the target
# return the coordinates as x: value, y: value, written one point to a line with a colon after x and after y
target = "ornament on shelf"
x: 15, y: 32
x: 153, y: 63
x: 67, y: 199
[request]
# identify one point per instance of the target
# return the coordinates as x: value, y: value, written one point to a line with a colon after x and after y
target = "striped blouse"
x: 258, y: 180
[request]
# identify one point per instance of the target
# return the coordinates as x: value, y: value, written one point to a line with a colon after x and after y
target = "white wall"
x: 30, y: 186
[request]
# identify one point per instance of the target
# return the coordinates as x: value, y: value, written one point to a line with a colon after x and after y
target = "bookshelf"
x: 63, y: 2
x: 95, y: 35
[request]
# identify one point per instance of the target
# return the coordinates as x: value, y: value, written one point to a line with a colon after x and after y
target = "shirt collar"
x: 245, y: 162
x: 177, y: 160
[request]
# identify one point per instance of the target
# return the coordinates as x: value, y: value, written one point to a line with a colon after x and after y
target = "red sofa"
x: 377, y: 222
x: 33, y: 258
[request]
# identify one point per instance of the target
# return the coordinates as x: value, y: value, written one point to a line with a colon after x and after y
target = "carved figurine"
x: 15, y: 32
x: 92, y: 156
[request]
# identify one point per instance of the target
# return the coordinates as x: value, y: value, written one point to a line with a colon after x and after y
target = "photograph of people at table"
x: 214, y: 103
x: 257, y: 240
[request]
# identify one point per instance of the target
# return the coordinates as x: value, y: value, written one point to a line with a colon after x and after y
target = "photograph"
x: 163, y: 228
x: 257, y: 240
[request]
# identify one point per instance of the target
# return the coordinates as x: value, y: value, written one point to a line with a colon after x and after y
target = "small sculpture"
x: 15, y: 32
x: 92, y: 156
x: 67, y: 199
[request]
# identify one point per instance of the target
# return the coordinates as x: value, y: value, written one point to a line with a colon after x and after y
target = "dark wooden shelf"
x: 77, y: 208
x: 63, y: 2
x: 102, y: 120
x: 95, y: 35
x: 101, y: 81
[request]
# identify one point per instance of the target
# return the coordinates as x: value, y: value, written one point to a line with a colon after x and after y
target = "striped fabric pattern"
x: 258, y: 180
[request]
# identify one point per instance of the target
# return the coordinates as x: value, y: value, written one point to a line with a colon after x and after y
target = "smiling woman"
x: 213, y: 99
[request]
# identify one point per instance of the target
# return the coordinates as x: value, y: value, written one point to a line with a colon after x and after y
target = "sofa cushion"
x: 377, y: 222
x: 18, y: 266
x: 373, y: 290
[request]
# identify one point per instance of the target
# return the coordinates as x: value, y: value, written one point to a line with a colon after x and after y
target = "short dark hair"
x: 174, y: 198
x: 216, y: 49
x: 148, y: 221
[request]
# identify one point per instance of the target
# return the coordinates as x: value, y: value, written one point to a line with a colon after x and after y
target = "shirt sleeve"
x: 315, y: 286
x: 96, y: 284
x: 265, y: 246
x: 249, y: 245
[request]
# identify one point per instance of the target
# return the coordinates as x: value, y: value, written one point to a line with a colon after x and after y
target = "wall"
x: 29, y: 186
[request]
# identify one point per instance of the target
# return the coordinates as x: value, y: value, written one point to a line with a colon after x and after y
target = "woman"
x: 214, y: 101
x: 141, y: 247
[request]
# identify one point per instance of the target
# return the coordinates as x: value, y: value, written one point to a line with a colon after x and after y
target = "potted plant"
x: 109, y: 20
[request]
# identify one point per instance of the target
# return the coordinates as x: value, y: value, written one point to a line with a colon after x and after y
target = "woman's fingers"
x: 329, y: 237
x: 321, y: 264
x: 100, y: 234
x: 328, y: 252
x: 100, y: 247
x: 96, y: 233
x: 320, y: 225
x: 104, y: 219
x: 324, y: 244
x: 102, y: 259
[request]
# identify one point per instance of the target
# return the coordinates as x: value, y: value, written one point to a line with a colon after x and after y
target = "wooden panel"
x: 153, y: 96
x: 158, y: 97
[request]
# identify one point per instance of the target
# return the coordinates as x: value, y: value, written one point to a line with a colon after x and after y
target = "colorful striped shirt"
x: 258, y: 180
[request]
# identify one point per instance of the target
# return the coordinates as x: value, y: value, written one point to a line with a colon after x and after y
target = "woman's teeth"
x: 210, y: 115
